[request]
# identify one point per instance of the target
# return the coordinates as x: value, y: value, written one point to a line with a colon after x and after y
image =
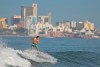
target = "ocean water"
x: 69, y: 52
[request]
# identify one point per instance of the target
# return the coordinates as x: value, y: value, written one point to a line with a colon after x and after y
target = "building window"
x: 46, y: 20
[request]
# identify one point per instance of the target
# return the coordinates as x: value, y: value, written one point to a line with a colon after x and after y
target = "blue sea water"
x: 70, y: 52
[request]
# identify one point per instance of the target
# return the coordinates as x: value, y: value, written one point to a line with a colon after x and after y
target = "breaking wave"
x: 10, y: 57
x: 37, y: 56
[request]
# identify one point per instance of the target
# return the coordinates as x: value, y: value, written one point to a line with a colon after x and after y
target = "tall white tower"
x: 34, y: 9
x: 49, y: 17
x: 24, y: 17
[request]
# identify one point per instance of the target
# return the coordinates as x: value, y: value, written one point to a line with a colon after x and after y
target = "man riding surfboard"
x: 35, y: 42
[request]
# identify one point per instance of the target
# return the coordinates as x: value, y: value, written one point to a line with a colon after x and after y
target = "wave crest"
x: 9, y: 57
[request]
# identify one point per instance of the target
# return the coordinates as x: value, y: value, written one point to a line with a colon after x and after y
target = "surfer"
x: 35, y: 42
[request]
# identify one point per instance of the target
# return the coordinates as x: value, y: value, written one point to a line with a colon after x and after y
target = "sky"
x: 62, y: 10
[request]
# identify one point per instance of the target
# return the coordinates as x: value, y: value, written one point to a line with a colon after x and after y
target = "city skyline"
x: 75, y: 10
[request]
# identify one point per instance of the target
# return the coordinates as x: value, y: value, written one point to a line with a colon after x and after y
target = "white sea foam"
x: 38, y: 56
x: 9, y: 57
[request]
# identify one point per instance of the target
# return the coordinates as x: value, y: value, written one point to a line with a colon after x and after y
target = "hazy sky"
x: 71, y: 10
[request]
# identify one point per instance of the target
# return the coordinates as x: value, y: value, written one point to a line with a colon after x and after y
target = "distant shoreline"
x: 43, y: 36
x: 13, y: 36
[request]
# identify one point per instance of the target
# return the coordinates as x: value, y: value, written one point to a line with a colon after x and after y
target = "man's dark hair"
x: 37, y: 36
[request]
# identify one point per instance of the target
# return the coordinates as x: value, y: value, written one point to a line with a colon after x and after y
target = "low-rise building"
x: 3, y: 23
x: 15, y: 19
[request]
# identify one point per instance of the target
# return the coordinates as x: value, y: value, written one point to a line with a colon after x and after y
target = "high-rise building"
x: 86, y: 25
x: 79, y: 26
x: 30, y: 20
x: 73, y: 24
x: 15, y: 19
x: 28, y: 11
x: 49, y: 16
x: 43, y: 19
x: 34, y: 6
x: 92, y: 26
x: 89, y: 26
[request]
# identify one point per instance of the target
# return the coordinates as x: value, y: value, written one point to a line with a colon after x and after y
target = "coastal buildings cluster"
x: 31, y: 24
